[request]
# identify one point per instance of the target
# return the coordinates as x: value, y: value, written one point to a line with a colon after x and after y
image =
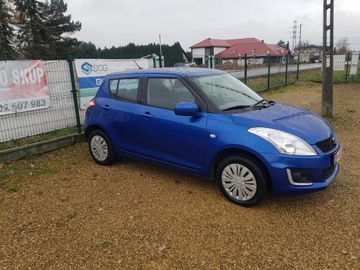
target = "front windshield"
x: 227, y: 92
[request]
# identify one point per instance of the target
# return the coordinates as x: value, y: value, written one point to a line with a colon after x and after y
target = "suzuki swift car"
x: 208, y: 123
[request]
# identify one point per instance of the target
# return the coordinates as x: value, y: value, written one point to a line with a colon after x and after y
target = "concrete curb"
x: 39, y: 148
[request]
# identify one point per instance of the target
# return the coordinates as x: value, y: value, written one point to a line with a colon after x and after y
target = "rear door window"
x: 124, y: 89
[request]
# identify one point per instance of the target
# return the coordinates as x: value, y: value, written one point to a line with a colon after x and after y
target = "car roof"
x: 181, y: 71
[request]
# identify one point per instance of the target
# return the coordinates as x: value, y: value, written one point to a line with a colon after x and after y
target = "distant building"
x: 234, y: 51
x: 310, y: 53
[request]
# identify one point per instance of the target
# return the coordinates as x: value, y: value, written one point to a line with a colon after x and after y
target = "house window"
x: 209, y: 51
x: 198, y: 61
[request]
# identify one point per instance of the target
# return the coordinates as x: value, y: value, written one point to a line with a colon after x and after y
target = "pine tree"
x: 7, y: 51
x: 32, y: 36
x: 44, y: 29
x: 60, y: 27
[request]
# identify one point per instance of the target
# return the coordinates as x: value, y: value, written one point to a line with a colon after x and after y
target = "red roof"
x: 255, y: 49
x: 233, y: 42
x: 210, y: 42
x: 242, y: 46
x: 225, y: 43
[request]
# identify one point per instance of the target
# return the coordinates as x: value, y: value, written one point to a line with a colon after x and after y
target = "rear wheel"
x: 241, y: 180
x: 101, y: 148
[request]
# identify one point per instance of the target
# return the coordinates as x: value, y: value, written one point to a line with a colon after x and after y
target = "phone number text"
x: 26, y: 105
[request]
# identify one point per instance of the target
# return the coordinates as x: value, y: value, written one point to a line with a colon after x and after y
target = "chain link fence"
x: 59, y: 115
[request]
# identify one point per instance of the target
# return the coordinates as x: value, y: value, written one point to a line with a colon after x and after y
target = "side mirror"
x: 186, y: 109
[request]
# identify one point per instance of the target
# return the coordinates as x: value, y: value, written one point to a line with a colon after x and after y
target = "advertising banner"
x: 23, y: 86
x: 91, y: 72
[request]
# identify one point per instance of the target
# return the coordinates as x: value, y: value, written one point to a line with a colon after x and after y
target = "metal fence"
x: 64, y: 111
x: 59, y: 115
x: 272, y: 75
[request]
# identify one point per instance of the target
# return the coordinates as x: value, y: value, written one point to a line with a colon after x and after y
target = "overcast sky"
x: 108, y: 23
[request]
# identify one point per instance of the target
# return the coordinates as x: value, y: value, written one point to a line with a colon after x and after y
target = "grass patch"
x: 317, y: 75
x: 37, y: 138
x: 275, y: 81
x: 351, y: 110
x: 49, y: 171
x: 12, y: 188
x: 4, y: 176
x: 105, y: 244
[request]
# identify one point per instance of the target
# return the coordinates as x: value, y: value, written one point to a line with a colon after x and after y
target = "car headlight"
x: 285, y: 142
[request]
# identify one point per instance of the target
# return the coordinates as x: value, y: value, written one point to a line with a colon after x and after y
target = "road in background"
x: 257, y: 72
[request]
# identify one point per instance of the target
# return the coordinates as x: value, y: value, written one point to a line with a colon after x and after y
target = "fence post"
x: 246, y: 66
x: 347, y: 64
x: 298, y: 66
x: 73, y: 86
x: 268, y: 74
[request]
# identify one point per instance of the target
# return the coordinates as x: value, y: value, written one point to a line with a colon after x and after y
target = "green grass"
x: 12, y: 188
x: 3, y: 176
x: 37, y: 138
x: 316, y: 76
x: 50, y: 171
x: 105, y: 244
x: 277, y: 81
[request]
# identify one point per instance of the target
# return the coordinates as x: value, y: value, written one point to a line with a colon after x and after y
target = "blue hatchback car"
x: 208, y: 123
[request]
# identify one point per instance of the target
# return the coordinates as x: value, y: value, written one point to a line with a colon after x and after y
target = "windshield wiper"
x: 238, y: 107
x: 263, y: 104
x: 258, y: 105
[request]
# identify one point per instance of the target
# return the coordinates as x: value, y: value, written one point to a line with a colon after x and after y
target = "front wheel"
x: 241, y: 180
x: 101, y: 148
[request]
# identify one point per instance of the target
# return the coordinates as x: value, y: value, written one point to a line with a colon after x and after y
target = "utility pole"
x: 328, y: 58
x: 293, y: 45
x: 298, y: 60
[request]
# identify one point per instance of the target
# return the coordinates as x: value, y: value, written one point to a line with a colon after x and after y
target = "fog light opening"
x: 299, y: 177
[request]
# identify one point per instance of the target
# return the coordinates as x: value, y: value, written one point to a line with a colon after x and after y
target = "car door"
x: 121, y: 111
x: 167, y: 137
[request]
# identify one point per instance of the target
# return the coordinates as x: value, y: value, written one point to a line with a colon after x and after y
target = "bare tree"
x: 342, y: 46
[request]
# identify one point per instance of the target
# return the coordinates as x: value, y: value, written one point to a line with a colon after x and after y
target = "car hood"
x: 302, y: 123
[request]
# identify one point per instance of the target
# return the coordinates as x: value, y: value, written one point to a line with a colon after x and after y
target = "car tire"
x: 241, y: 180
x: 101, y: 148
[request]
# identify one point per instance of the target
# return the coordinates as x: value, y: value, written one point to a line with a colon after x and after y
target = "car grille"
x: 327, y: 145
x: 328, y: 172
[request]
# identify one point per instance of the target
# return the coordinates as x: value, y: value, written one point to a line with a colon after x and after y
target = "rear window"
x: 124, y: 89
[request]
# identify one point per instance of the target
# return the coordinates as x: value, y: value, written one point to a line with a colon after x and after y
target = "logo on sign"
x: 86, y: 68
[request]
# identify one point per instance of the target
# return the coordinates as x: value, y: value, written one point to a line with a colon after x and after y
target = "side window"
x: 124, y: 89
x: 166, y: 93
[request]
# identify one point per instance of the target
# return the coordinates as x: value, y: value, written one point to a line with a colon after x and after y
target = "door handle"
x: 146, y: 115
x: 106, y: 107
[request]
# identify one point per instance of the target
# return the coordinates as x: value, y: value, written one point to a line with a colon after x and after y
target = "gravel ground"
x: 62, y: 211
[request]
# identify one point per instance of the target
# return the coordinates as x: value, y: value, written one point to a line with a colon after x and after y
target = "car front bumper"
x: 292, y: 175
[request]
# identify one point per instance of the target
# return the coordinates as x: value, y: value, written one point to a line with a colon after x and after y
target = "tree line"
x: 32, y: 29
x: 172, y: 54
x: 342, y: 46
